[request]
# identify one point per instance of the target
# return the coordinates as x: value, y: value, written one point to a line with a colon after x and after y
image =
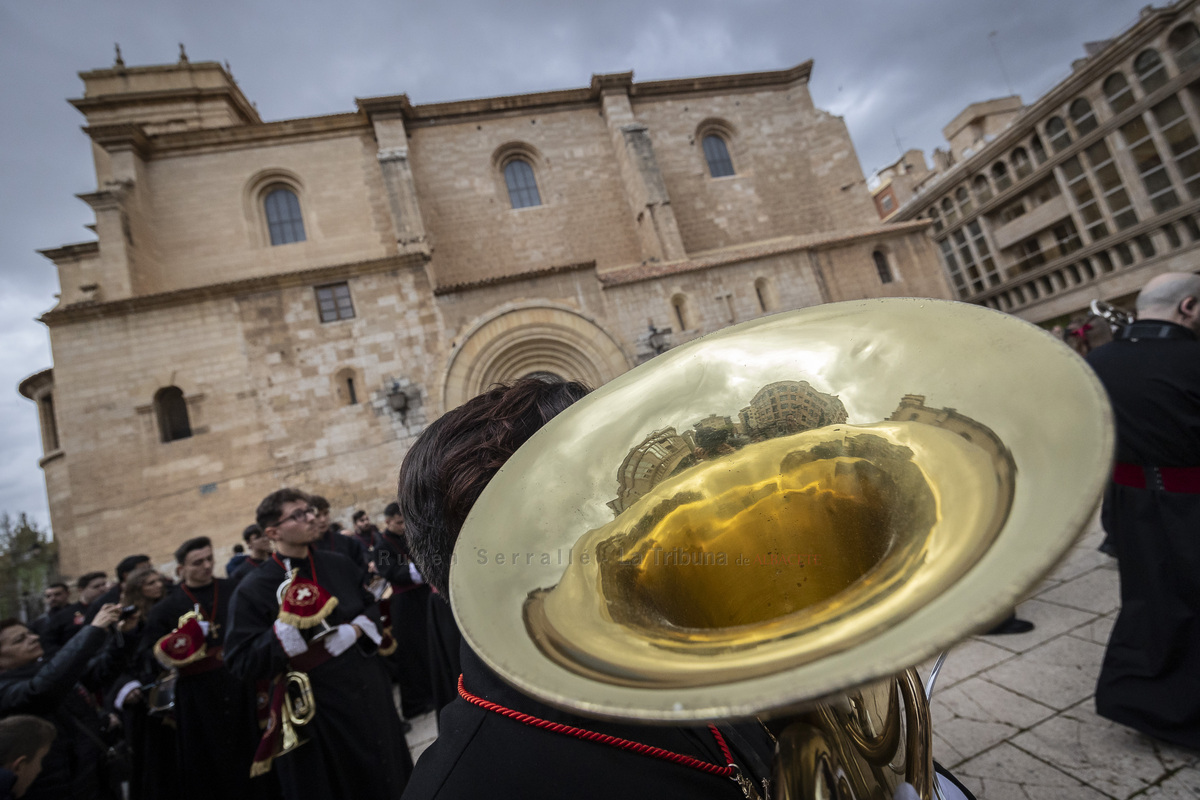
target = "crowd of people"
x: 165, y: 685
x: 278, y: 680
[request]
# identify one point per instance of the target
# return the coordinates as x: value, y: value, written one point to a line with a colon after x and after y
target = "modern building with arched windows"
x: 272, y: 303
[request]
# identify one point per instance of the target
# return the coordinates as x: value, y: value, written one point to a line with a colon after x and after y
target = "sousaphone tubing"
x: 778, y: 518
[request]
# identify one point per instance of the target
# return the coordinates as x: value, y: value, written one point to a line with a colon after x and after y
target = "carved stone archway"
x: 536, y: 338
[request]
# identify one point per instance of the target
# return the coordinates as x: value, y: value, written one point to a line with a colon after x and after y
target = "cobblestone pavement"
x: 1013, y: 716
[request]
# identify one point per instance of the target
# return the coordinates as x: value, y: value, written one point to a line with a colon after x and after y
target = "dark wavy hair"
x: 454, y: 458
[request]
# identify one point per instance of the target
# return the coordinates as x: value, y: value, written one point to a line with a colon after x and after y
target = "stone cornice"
x: 565, y: 98
x: 114, y: 102
x: 453, y: 288
x: 35, y: 383
x: 68, y: 252
x: 91, y: 310
x: 120, y: 136
x: 757, y: 250
x: 315, y: 127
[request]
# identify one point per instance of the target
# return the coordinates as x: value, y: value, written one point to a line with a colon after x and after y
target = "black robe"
x: 214, y: 711
x: 479, y: 753
x: 355, y: 748
x: 1151, y: 668
x: 410, y: 625
x: 445, y: 642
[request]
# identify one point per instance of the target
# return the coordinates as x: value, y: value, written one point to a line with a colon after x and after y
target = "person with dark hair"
x: 330, y: 538
x: 1151, y: 513
x: 239, y: 556
x: 322, y: 622
x: 260, y: 551
x: 480, y: 752
x: 366, y: 533
x: 127, y: 565
x: 214, y: 711
x: 56, y: 596
x: 62, y: 690
x: 152, y: 739
x: 408, y: 611
x: 24, y: 742
x: 67, y: 621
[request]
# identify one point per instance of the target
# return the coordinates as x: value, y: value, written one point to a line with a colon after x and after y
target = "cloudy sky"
x: 897, y: 71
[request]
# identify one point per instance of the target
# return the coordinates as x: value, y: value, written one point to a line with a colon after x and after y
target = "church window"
x: 1000, y: 176
x: 964, y: 200
x: 679, y: 304
x: 983, y: 189
x: 762, y: 290
x: 1039, y: 152
x: 522, y: 185
x: 170, y: 409
x: 716, y: 153
x: 284, y: 221
x: 881, y: 266
x: 333, y: 302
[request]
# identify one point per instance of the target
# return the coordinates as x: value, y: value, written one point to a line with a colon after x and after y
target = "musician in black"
x: 409, y: 614
x: 1152, y: 513
x: 482, y: 752
x: 214, y: 711
x: 355, y: 746
x: 259, y: 547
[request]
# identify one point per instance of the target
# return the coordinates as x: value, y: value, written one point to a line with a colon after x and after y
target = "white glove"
x: 369, y: 628
x: 204, y: 627
x: 905, y: 791
x: 414, y: 574
x: 340, y: 640
x: 119, y: 702
x: 290, y: 638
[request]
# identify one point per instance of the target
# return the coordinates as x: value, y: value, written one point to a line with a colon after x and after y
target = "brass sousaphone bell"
x: 777, y: 519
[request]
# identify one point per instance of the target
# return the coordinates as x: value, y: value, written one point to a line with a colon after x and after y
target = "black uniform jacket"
x: 479, y: 753
x: 62, y: 690
x: 1149, y: 678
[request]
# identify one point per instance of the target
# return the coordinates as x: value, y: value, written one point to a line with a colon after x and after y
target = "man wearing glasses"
x: 306, y: 610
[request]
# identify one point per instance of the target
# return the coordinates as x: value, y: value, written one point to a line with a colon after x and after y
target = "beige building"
x: 291, y: 302
x: 1085, y: 194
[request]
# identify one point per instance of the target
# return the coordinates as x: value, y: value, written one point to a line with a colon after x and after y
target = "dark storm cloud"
x: 893, y: 70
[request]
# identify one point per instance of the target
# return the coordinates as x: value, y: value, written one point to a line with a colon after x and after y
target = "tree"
x: 28, y: 562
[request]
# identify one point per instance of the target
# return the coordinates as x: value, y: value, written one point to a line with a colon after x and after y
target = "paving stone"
x: 1097, y: 591
x: 974, y: 715
x: 1110, y: 757
x: 1006, y: 773
x: 424, y: 731
x: 1059, y: 673
x: 1049, y: 619
x: 1098, y: 630
x: 1183, y: 785
x: 967, y: 658
x: 1079, y: 561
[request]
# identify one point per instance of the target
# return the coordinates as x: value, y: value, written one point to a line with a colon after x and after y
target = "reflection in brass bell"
x: 781, y: 518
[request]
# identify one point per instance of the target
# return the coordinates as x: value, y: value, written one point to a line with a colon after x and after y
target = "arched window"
x: 284, y: 220
x: 964, y: 200
x: 1184, y: 42
x: 1039, y: 152
x: 1083, y: 117
x: 170, y: 410
x: 881, y: 267
x: 1117, y: 92
x: 347, y: 386
x: 1150, y: 71
x: 1020, y: 162
x: 679, y: 305
x: 937, y: 219
x: 1000, y: 176
x: 716, y: 153
x: 983, y: 189
x: 1056, y: 131
x: 522, y: 185
x: 949, y: 211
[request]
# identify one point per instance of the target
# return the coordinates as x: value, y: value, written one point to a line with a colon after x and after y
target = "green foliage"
x: 28, y: 561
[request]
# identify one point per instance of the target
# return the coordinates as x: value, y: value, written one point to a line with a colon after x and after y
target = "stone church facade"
x: 291, y: 302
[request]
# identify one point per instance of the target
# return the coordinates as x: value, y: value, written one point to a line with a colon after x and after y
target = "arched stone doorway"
x: 531, y: 340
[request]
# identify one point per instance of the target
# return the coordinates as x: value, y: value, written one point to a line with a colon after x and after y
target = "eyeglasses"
x: 298, y: 515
